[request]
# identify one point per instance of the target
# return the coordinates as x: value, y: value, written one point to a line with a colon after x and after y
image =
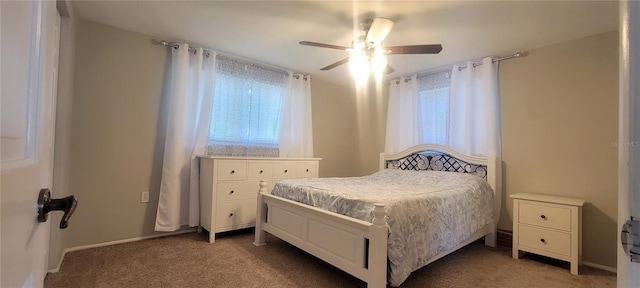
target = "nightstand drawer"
x: 230, y: 191
x: 232, y: 170
x: 549, y: 226
x: 545, y: 216
x: 545, y: 240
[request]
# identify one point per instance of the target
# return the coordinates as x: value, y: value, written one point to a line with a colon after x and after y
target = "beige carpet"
x: 190, y: 261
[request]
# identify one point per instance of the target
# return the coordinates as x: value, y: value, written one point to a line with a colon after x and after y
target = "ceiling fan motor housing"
x: 370, y: 46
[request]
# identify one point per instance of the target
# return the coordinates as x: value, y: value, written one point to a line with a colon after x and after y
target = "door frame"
x: 629, y: 132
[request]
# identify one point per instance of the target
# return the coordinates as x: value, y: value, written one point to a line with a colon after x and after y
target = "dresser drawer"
x: 546, y: 240
x: 284, y: 170
x: 231, y: 171
x: 231, y: 191
x: 235, y: 213
x: 306, y: 169
x: 229, y: 187
x: 545, y: 216
x: 259, y: 171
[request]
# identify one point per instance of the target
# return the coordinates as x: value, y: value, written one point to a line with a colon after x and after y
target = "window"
x: 247, y: 104
x: 433, y: 108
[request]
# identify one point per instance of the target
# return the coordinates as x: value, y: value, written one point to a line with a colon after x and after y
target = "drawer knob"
x: 543, y: 217
x: 233, y: 171
x: 231, y: 192
x: 231, y: 215
x: 261, y: 171
x: 543, y: 241
x: 307, y: 170
x: 285, y: 171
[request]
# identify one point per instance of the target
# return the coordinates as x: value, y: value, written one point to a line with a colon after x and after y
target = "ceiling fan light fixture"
x: 378, y: 64
x: 359, y: 66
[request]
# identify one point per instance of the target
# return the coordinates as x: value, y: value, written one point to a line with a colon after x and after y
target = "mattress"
x: 428, y: 211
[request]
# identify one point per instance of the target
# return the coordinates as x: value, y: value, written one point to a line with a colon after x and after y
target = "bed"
x: 423, y: 204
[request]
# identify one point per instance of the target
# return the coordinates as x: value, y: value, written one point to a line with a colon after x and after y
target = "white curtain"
x: 474, y: 103
x: 402, y: 115
x: 190, y: 98
x: 296, y: 137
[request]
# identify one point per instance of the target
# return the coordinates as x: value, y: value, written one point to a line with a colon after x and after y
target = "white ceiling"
x: 269, y: 31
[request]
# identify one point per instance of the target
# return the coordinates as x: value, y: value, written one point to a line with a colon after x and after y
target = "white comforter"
x: 428, y: 211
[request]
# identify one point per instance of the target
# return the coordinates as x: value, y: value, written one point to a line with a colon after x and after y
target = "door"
x: 29, y: 40
x: 629, y: 148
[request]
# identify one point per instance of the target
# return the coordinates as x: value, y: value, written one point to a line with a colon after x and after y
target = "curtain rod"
x: 440, y: 70
x: 175, y: 45
x: 494, y: 60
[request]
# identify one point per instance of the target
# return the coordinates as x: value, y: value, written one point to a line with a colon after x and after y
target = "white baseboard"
x: 601, y: 267
x: 64, y: 252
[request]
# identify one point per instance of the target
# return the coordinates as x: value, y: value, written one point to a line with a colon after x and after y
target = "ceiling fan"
x: 368, y: 47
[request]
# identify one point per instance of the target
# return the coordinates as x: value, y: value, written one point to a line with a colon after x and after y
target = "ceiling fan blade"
x: 380, y: 28
x: 334, y: 65
x: 415, y: 49
x: 316, y: 44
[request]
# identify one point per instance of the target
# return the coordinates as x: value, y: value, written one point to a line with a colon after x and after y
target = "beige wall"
x: 559, y: 123
x: 334, y: 126
x: 348, y: 127
x: 371, y: 111
x: 115, y: 146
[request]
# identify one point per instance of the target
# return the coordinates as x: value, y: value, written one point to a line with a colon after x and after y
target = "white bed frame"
x: 352, y: 245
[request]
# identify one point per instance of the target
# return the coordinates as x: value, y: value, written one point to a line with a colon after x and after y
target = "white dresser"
x: 229, y: 187
x: 549, y: 226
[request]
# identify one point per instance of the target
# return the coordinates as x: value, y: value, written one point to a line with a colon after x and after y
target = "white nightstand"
x: 549, y: 226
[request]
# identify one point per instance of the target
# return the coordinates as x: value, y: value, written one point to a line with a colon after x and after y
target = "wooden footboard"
x: 354, y: 246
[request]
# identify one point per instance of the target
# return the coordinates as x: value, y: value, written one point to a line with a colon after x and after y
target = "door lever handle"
x: 46, y: 204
